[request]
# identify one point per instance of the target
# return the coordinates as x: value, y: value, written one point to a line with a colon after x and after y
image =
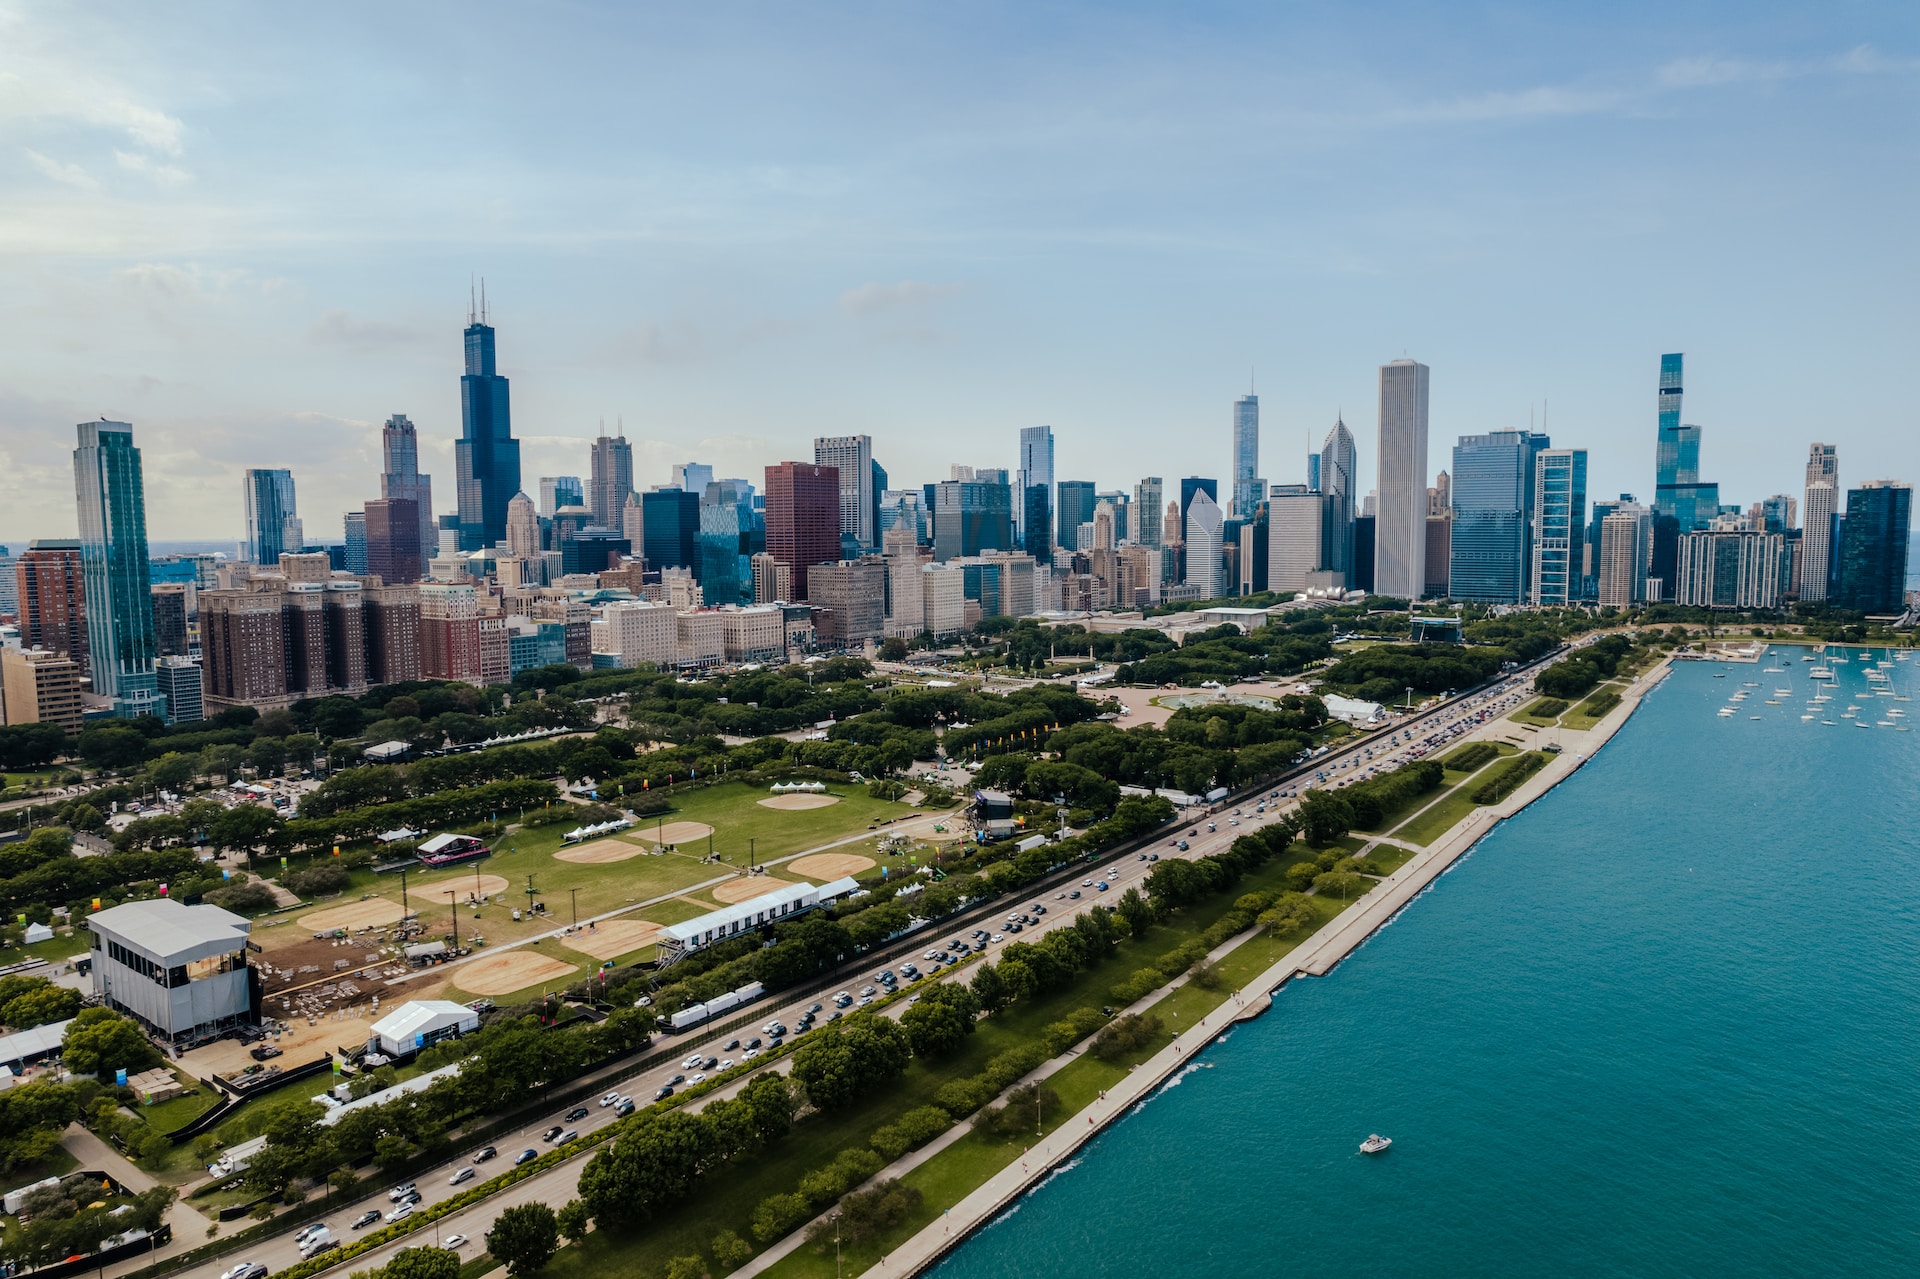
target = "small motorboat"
x: 1374, y: 1144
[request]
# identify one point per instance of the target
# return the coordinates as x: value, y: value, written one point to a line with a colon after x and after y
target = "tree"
x: 573, y: 1220
x: 1136, y: 911
x: 32, y: 1117
x: 113, y: 747
x: 990, y: 989
x: 841, y: 1062
x: 1325, y: 816
x: 431, y: 1263
x: 244, y: 827
x: 40, y: 1007
x: 101, y: 1041
x: 171, y: 771
x: 893, y: 649
x: 941, y: 1021
x: 686, y: 1268
x: 731, y: 1251
x: 524, y: 1238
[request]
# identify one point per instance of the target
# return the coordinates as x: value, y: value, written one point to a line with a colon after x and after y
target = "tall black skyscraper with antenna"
x: 486, y: 457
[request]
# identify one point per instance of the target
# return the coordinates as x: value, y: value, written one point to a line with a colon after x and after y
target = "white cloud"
x: 70, y: 174
x: 869, y: 299
x: 339, y: 329
x: 83, y: 100
x: 163, y: 281
x: 166, y: 175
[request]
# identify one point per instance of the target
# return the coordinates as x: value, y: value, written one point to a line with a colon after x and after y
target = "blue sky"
x: 249, y: 230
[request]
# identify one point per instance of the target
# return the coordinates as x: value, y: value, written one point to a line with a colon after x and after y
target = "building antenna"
x: 473, y: 308
x: 483, y: 299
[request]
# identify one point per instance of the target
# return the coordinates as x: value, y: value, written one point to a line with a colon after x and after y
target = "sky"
x: 728, y: 228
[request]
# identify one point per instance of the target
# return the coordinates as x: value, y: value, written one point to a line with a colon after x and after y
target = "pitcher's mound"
x: 831, y: 865
x: 377, y: 910
x: 674, y: 832
x: 746, y: 888
x: 794, y: 802
x: 504, y: 974
x: 599, y: 851
x: 465, y: 886
x: 613, y: 937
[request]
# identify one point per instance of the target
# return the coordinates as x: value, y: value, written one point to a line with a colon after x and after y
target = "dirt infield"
x: 599, y: 852
x: 746, y: 888
x: 465, y: 886
x: 794, y: 803
x: 505, y: 973
x: 375, y: 910
x: 613, y: 937
x: 830, y: 865
x: 674, y: 832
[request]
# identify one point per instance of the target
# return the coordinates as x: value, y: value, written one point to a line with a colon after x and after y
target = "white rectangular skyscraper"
x: 1816, y: 520
x: 1400, y: 531
x: 853, y: 454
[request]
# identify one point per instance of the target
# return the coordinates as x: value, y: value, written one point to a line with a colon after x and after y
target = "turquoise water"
x: 1665, y: 1022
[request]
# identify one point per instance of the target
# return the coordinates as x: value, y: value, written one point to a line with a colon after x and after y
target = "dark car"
x: 264, y: 1052
x: 577, y: 1113
x: 712, y: 1062
x: 663, y: 1092
x: 624, y: 1109
x: 483, y: 1154
x: 525, y: 1156
x: 366, y: 1219
x: 552, y: 1134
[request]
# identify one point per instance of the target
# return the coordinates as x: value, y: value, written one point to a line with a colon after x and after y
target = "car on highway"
x: 698, y: 1079
x: 245, y: 1270
x: 613, y: 1098
x: 733, y: 1045
x: 1100, y: 887
x: 727, y: 1064
x: 462, y: 1175
x: 1074, y: 895
x: 571, y: 1134
x: 749, y: 1054
x: 710, y: 1063
x: 366, y: 1219
x: 1182, y: 845
x: 454, y: 1241
x: 663, y: 1092
x: 307, y: 1232
x: 483, y: 1154
x: 577, y: 1113
x: 402, y: 1191
x: 552, y: 1134
x: 399, y: 1214
x: 999, y: 937
x: 526, y: 1156
x: 624, y: 1109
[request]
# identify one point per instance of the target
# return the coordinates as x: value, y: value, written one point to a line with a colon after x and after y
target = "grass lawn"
x: 58, y: 1163
x: 60, y: 948
x: 728, y: 1202
x: 170, y: 1116
x: 1390, y: 857
x: 1439, y: 819
x: 1576, y: 719
x: 1400, y: 812
x: 1527, y: 714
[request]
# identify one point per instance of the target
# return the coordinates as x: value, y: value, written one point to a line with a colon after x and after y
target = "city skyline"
x: 177, y: 269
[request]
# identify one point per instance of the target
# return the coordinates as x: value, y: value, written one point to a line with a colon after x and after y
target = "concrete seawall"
x: 1315, y: 957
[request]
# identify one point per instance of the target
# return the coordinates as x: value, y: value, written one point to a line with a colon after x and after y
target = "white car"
x: 750, y: 1054
x: 611, y: 1099
x: 399, y: 1214
x: 727, y: 1064
x: 460, y: 1175
x: 697, y: 1079
x: 454, y: 1241
x: 693, y: 1061
x: 240, y: 1271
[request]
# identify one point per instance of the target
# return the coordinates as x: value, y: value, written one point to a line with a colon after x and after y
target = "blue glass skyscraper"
x: 1681, y: 503
x: 111, y: 492
x: 486, y: 457
x: 1493, y: 484
x: 1559, y: 525
x: 1873, y: 548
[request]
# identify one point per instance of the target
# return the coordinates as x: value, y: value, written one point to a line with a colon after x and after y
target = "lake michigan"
x: 1666, y: 1021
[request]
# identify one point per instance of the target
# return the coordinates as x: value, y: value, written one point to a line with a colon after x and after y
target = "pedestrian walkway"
x: 189, y: 1227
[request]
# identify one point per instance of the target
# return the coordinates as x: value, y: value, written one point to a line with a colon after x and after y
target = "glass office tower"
x: 111, y: 493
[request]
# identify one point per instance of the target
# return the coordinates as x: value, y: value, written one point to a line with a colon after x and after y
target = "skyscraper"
x: 1074, y: 508
x: 1191, y: 485
x: 1248, y: 488
x: 1626, y: 538
x: 523, y: 528
x: 1339, y: 462
x: 1296, y: 529
x: 356, y: 541
x: 803, y: 520
x: 111, y: 492
x: 273, y: 520
x: 1400, y: 528
x: 558, y: 491
x: 1821, y: 504
x: 486, y: 457
x: 1148, y: 501
x: 394, y: 552
x: 53, y: 598
x: 1873, y: 548
x: 612, y: 479
x: 1559, y: 524
x: 691, y: 476
x: 1033, y: 492
x: 670, y: 524
x: 1203, y: 529
x: 1493, y: 490
x: 852, y: 456
x: 1681, y: 502
x: 974, y: 516
x: 401, y: 477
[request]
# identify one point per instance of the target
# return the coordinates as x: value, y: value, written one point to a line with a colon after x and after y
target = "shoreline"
x: 1317, y: 956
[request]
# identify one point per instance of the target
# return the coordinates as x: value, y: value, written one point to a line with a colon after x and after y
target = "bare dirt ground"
x: 746, y: 888
x: 599, y: 852
x: 612, y: 938
x: 675, y: 832
x: 466, y: 887
x: 830, y: 865
x: 505, y: 973
x: 796, y: 803
x: 363, y: 914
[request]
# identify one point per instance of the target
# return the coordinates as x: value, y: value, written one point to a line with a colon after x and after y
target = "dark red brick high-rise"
x: 803, y: 517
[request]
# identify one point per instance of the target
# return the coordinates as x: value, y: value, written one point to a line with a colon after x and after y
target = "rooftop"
x: 165, y: 927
